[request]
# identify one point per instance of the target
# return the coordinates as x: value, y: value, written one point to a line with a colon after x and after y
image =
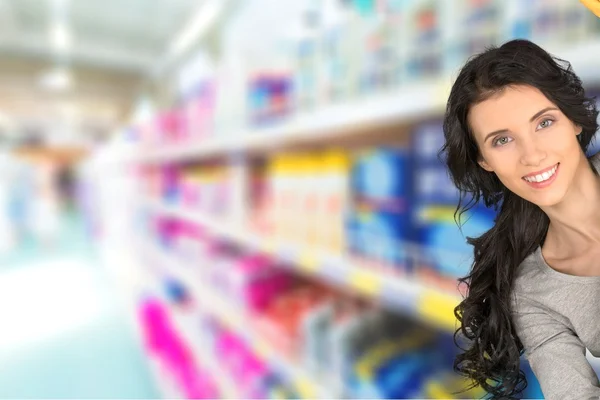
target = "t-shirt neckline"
x: 541, y: 262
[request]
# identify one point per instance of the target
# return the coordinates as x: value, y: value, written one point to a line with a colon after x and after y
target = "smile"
x: 542, y: 178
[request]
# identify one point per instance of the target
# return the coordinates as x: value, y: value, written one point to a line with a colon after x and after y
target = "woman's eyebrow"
x: 489, y: 135
x: 537, y: 114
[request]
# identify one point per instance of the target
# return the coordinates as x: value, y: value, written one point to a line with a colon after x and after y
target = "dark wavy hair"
x: 491, y: 350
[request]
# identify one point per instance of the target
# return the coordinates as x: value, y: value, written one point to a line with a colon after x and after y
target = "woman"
x: 517, y: 126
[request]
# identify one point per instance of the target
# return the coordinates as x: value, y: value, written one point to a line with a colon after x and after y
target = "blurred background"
x: 241, y: 199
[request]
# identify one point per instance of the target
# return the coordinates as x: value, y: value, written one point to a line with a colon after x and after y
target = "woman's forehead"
x: 513, y: 105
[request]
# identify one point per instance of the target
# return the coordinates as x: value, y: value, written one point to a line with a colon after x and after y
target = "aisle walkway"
x: 64, y: 333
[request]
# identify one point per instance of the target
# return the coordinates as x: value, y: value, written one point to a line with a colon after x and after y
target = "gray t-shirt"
x: 557, y: 316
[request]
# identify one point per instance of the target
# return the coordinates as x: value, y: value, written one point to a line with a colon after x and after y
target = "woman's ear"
x: 483, y: 164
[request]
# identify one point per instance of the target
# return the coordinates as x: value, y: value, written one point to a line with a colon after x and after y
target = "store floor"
x: 63, y: 331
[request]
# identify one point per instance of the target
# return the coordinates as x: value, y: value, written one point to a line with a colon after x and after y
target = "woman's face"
x: 528, y: 143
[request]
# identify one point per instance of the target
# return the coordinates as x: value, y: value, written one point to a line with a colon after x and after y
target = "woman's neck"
x: 575, y: 222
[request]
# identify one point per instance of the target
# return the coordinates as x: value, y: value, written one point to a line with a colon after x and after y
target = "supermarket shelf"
x: 412, y: 102
x: 307, y: 385
x: 404, y: 105
x: 407, y: 296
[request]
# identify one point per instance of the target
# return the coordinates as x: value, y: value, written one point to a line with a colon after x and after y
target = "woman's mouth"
x: 543, y: 178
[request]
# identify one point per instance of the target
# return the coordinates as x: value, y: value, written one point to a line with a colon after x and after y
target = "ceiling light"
x: 60, y: 37
x: 196, y: 27
x: 58, y: 79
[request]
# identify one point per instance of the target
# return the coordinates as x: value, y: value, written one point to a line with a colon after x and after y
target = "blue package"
x: 382, y: 175
x: 426, y: 141
x: 379, y: 235
x: 175, y: 291
x: 434, y: 198
x: 430, y: 179
x: 432, y: 184
x: 437, y: 233
x: 402, y: 376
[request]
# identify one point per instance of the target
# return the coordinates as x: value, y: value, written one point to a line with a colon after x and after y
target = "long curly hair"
x: 490, y: 349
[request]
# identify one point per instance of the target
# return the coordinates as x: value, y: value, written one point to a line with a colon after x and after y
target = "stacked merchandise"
x: 546, y: 21
x: 205, y: 188
x: 342, y: 51
x: 254, y: 378
x: 359, y: 350
x: 444, y: 254
x: 378, y: 223
x: 390, y: 209
x: 327, y: 332
x: 308, y: 197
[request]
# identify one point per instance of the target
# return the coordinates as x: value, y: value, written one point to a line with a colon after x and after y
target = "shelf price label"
x: 308, y: 261
x: 366, y: 282
x: 438, y: 308
x: 261, y: 348
x: 305, y: 388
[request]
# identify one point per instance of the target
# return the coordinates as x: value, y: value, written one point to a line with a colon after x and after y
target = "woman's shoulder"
x: 529, y: 276
x: 530, y: 267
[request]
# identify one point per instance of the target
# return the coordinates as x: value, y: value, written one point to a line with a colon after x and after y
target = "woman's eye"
x: 545, y: 123
x: 502, y: 141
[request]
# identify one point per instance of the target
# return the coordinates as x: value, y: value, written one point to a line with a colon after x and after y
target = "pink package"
x: 198, y: 384
x: 152, y: 317
x: 254, y: 281
x: 190, y: 192
x: 161, y: 340
x: 241, y: 362
x: 168, y: 126
x: 199, y: 112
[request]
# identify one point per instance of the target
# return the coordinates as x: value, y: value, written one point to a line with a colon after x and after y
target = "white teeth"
x: 541, y: 177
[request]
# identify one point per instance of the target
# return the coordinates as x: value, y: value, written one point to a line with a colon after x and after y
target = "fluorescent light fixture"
x: 60, y: 34
x: 197, y: 26
x: 58, y: 79
x: 60, y: 37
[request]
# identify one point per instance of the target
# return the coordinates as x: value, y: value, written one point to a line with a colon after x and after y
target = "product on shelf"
x: 442, y: 254
x: 254, y: 377
x: 425, y: 46
x: 196, y: 92
x: 252, y: 281
x: 269, y: 98
x: 343, y: 51
x: 358, y: 349
x: 163, y: 342
x: 483, y: 17
x: 547, y: 21
x: 206, y: 189
x: 281, y: 321
x: 259, y: 203
x: 198, y: 112
x: 309, y: 197
x: 378, y: 225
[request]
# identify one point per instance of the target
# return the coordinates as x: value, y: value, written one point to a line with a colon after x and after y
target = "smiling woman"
x: 536, y: 139
x: 517, y: 126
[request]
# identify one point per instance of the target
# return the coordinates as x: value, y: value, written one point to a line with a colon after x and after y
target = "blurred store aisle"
x: 64, y: 332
